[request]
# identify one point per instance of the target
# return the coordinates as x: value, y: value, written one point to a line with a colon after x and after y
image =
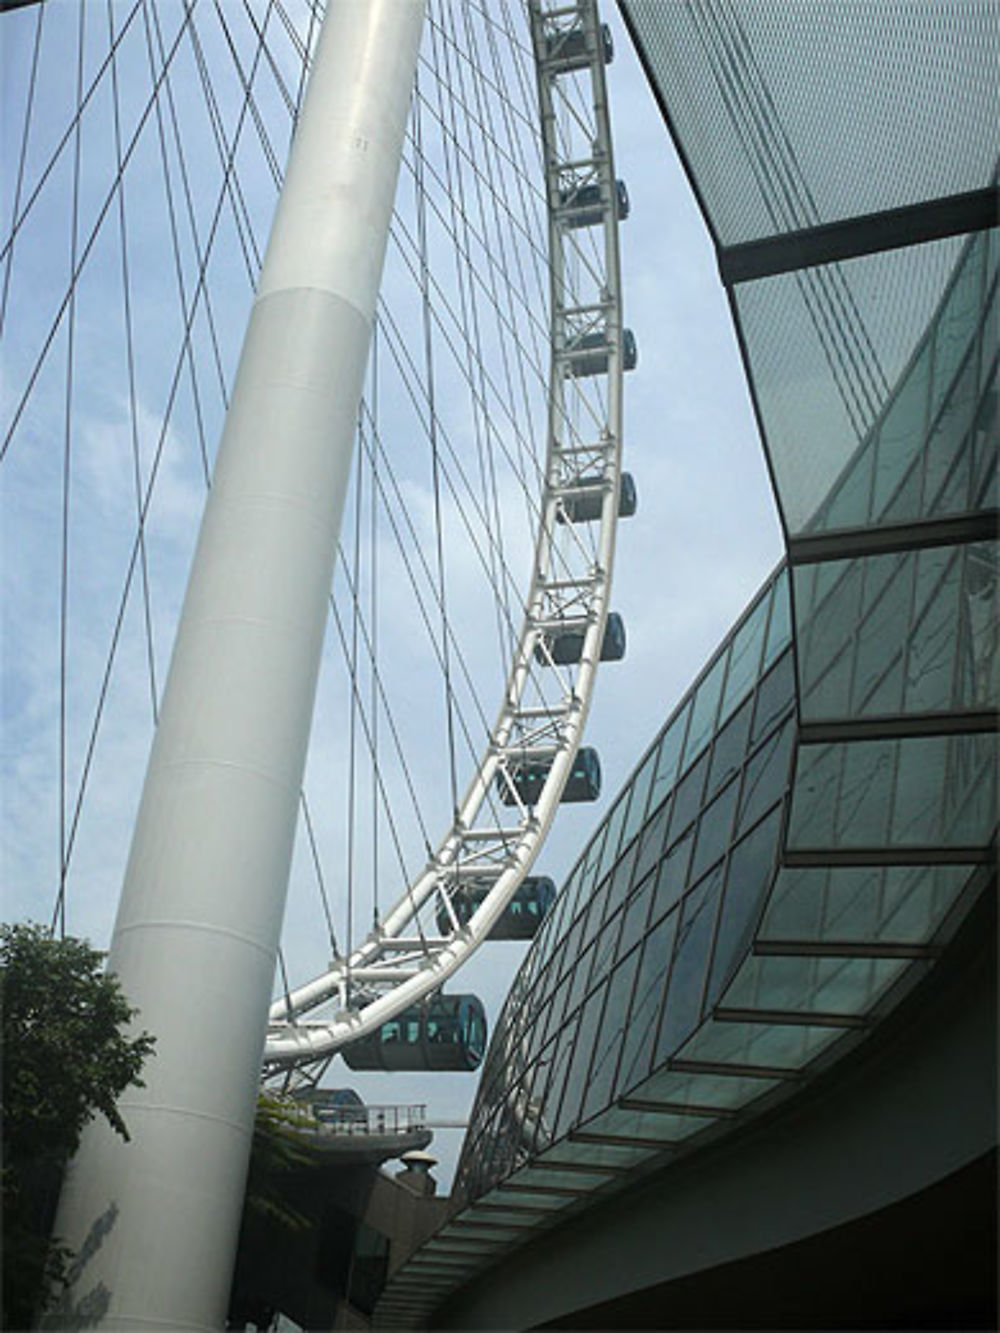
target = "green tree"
x: 66, y: 1057
x: 279, y: 1158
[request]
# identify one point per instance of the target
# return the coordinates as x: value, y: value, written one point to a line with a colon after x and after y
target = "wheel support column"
x: 154, y: 1222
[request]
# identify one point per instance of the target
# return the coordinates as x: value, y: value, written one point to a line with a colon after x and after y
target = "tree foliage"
x: 66, y: 1057
x: 277, y: 1151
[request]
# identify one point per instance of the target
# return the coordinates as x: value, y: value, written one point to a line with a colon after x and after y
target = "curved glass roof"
x: 790, y: 115
x: 818, y: 813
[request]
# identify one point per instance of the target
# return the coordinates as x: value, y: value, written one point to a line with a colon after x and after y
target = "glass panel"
x: 610, y: 1038
x: 569, y: 1109
x: 667, y: 1128
x: 545, y: 1202
x: 706, y: 706
x: 612, y: 1155
x: 569, y: 950
x: 636, y: 914
x: 669, y: 755
x: 980, y: 656
x: 594, y: 915
x: 605, y: 949
x: 714, y: 829
x: 901, y: 904
x: 865, y: 143
x: 828, y: 607
x: 745, y: 655
x: 716, y: 1091
x: 651, y: 843
x: 582, y: 1180
x: 483, y: 1233
x: 621, y: 879
x: 640, y: 791
x: 767, y: 1045
x: 729, y: 748
x: 767, y: 776
x: 456, y: 1246
x: 673, y: 877
x: 499, y: 1214
x: 550, y: 1015
x: 682, y: 1007
x: 862, y: 806
x: 945, y: 791
x: 816, y: 381
x: 646, y: 1003
x: 687, y: 798
x: 813, y: 985
x: 548, y: 1100
x: 779, y: 632
x: 935, y: 639
x: 956, y: 326
x: 748, y: 878
x: 901, y: 435
x: 880, y: 641
x: 614, y: 827
x: 580, y: 974
x: 905, y: 627
x: 774, y: 697
x: 949, y: 440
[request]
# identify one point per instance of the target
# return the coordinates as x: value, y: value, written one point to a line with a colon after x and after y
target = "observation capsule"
x: 567, y: 50
x: 444, y: 1033
x: 566, y: 649
x: 583, y: 207
x: 583, y: 783
x: 589, y: 354
x: 520, y: 918
x: 586, y: 508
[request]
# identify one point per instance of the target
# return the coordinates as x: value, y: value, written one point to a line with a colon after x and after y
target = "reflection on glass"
x: 651, y: 842
x: 812, y: 985
x: 728, y: 748
x: 639, y: 1030
x: 779, y: 631
x: 610, y: 1037
x: 668, y: 756
x: 899, y: 904
x: 682, y: 1007
x: 569, y: 1108
x: 706, y: 705
x: 774, y: 697
x: 614, y: 1156
x: 745, y: 655
x: 766, y: 776
x: 748, y: 877
x: 646, y: 1126
x: 581, y: 1180
x: 687, y: 797
x: 636, y: 915
x: 641, y: 784
x: 714, y: 830
x: 765, y: 1046
x: 673, y: 876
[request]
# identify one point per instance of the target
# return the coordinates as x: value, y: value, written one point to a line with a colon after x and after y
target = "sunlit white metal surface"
x: 542, y: 715
x: 197, y: 931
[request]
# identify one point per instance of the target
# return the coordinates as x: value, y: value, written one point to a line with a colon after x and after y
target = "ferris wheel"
x: 145, y: 146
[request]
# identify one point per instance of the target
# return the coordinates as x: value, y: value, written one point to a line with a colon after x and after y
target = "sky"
x: 704, y: 538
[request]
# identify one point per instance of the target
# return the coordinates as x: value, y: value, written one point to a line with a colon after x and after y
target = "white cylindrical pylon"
x: 155, y: 1221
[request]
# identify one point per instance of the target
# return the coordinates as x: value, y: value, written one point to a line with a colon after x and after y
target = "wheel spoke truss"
x: 495, y: 835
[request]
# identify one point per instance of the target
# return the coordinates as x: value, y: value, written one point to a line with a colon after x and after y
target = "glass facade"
x: 800, y: 841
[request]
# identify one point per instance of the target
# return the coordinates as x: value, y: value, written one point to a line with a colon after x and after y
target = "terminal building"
x: 746, y: 1075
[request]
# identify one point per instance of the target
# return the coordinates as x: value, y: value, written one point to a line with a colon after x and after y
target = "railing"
x: 369, y: 1120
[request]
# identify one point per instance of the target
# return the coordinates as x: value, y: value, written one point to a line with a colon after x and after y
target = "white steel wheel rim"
x: 392, y: 970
